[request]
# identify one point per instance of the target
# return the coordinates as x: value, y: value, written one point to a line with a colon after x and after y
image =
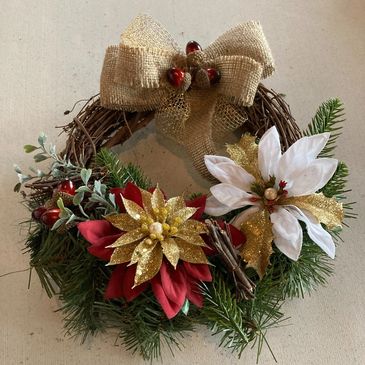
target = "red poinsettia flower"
x: 171, y: 286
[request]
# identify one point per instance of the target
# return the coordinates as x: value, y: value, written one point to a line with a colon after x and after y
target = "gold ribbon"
x: 134, y: 79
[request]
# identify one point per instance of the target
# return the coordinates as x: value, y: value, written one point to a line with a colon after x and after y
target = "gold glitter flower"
x: 160, y: 228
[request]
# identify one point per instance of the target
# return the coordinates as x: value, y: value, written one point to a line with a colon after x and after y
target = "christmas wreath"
x: 119, y: 253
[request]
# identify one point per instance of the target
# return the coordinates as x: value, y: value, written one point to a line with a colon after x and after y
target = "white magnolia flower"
x: 285, y: 185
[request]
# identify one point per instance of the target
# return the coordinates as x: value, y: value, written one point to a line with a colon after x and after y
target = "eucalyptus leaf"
x: 60, y: 204
x: 58, y: 223
x: 85, y: 175
x: 17, y: 187
x: 40, y: 157
x: 28, y: 148
x: 17, y: 169
x: 42, y: 139
x: 83, y: 189
x: 78, y: 198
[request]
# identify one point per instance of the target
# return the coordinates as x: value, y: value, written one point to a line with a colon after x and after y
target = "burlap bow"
x: 198, y: 114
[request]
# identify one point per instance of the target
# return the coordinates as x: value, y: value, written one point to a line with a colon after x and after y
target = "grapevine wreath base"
x: 119, y: 253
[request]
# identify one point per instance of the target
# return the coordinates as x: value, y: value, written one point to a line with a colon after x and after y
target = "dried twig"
x: 222, y: 242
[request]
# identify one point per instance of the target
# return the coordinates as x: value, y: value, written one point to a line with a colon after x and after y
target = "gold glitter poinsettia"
x: 278, y: 190
x: 160, y: 228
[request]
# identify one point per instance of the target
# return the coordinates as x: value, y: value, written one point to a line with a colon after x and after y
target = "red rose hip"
x: 50, y: 217
x: 67, y: 187
x: 38, y: 212
x: 214, y: 75
x: 175, y: 76
x: 192, y: 46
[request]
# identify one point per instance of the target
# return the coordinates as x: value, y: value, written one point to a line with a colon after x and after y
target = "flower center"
x: 270, y: 193
x: 156, y: 228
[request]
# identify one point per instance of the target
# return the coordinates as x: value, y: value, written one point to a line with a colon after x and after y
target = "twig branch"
x: 222, y: 242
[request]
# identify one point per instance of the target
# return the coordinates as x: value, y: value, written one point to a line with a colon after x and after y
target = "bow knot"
x: 198, y: 97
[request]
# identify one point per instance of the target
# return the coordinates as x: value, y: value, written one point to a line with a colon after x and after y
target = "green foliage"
x: 294, y: 279
x: 240, y: 323
x: 328, y: 118
x: 65, y: 269
x: 143, y: 326
x: 118, y: 174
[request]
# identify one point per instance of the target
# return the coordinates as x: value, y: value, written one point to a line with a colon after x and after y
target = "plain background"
x: 51, y: 55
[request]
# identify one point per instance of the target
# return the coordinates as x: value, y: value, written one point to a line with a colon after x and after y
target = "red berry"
x: 282, y: 184
x: 192, y: 46
x: 214, y: 75
x: 67, y: 187
x: 175, y: 76
x: 38, y: 212
x: 50, y: 217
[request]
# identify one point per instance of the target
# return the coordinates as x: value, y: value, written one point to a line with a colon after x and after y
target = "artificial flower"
x: 277, y: 190
x: 171, y: 285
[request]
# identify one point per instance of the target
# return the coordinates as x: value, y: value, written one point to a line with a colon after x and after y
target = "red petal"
x: 128, y: 282
x: 118, y: 192
x: 99, y: 233
x: 173, y: 283
x: 132, y: 192
x: 198, y: 271
x: 101, y: 252
x: 169, y: 307
x: 115, y: 288
x: 199, y: 203
x: 194, y: 294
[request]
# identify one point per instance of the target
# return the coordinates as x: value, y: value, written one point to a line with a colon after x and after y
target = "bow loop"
x: 240, y: 77
x: 142, y: 67
x: 247, y: 40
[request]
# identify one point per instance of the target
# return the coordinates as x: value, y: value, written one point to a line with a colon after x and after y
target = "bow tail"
x: 227, y: 118
x: 186, y: 118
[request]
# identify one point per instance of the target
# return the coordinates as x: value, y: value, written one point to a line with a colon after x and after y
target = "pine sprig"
x: 294, y: 279
x: 328, y: 118
x: 143, y: 327
x: 240, y: 323
x: 119, y: 175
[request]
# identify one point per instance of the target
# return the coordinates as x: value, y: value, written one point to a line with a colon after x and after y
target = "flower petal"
x: 231, y: 196
x: 230, y: 173
x: 269, y: 153
x: 169, y: 307
x: 214, y: 159
x: 193, y: 226
x: 243, y: 216
x: 171, y: 251
x: 312, y: 178
x: 133, y: 192
x: 115, y: 284
x: 199, y: 202
x: 122, y: 254
x: 183, y: 214
x: 158, y: 199
x: 215, y: 208
x: 300, y: 154
x: 129, y: 237
x: 133, y: 209
x: 118, y: 193
x: 148, y: 265
x: 315, y: 231
x: 288, y: 235
x: 175, y: 204
x: 191, y: 238
x: 146, y: 201
x: 198, y: 271
x: 123, y: 221
x: 191, y: 253
x: 173, y: 283
x: 99, y: 232
x: 130, y: 291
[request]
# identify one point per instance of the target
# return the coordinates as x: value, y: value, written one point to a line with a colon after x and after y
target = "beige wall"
x: 51, y: 54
